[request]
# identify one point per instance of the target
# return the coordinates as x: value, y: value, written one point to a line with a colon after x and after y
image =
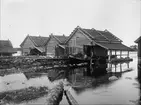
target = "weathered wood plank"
x: 70, y: 98
x: 55, y: 95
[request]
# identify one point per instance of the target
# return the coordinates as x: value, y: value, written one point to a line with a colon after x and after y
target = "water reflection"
x: 23, y: 80
x: 83, y: 79
x: 100, y: 90
x: 18, y: 84
x: 30, y: 75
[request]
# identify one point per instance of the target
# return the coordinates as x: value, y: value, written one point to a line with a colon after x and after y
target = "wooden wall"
x: 5, y: 54
x: 59, y: 52
x: 26, y: 46
x: 139, y: 49
x: 77, y: 41
x: 139, y: 53
x: 99, y: 51
x: 51, y: 46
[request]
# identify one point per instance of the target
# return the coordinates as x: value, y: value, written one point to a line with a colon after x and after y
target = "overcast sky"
x: 42, y: 17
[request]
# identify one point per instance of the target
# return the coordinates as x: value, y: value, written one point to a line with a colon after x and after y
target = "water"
x: 85, y: 89
x: 123, y: 91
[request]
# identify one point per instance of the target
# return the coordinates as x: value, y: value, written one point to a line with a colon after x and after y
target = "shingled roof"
x: 61, y: 38
x: 37, y: 40
x: 6, y: 47
x: 99, y: 36
x: 104, y: 39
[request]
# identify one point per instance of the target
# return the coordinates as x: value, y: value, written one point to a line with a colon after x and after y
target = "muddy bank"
x: 27, y: 94
x: 55, y: 95
x: 19, y: 62
x: 9, y: 65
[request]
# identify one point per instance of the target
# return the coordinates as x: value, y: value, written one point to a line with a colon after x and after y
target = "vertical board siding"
x: 76, y: 43
x: 139, y: 49
x: 26, y: 46
x: 51, y: 46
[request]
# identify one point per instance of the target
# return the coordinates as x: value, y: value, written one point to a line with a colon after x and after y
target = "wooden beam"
x: 70, y: 98
x: 55, y: 95
x: 115, y: 52
x: 120, y: 67
x: 127, y: 65
x: 128, y: 54
x: 120, y: 53
x: 109, y: 55
x: 139, y: 72
x: 115, y: 67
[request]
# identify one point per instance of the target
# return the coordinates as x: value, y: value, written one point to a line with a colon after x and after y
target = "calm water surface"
x: 85, y: 89
x: 123, y: 91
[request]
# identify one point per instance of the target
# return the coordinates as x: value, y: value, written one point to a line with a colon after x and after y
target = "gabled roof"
x: 38, y: 41
x: 110, y: 36
x: 6, y: 47
x: 60, y: 38
x: 136, y: 41
x: 104, y: 39
x: 97, y: 35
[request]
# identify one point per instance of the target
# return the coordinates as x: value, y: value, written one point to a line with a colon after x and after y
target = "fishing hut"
x: 34, y: 45
x: 55, y: 45
x: 95, y: 43
x: 6, y: 48
x: 138, y: 41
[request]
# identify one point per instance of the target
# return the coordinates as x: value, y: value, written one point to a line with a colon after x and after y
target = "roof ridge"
x: 36, y: 36
x: 43, y: 40
x: 87, y: 32
x: 32, y: 40
x: 103, y: 36
x: 76, y: 28
x: 55, y: 36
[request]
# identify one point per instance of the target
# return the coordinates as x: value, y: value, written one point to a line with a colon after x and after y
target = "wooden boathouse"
x: 6, y: 48
x: 39, y: 45
x: 92, y: 42
x: 138, y: 41
x: 56, y: 45
x: 34, y: 45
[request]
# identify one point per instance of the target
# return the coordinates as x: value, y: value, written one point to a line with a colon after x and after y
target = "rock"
x: 128, y: 78
x: 112, y: 78
x: 109, y: 69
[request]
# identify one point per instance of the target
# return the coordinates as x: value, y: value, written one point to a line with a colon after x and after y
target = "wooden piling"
x: 139, y: 72
x: 70, y: 98
x: 55, y: 95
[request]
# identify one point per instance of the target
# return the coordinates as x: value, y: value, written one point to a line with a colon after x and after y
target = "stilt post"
x: 109, y: 55
x: 128, y: 54
x: 120, y: 53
